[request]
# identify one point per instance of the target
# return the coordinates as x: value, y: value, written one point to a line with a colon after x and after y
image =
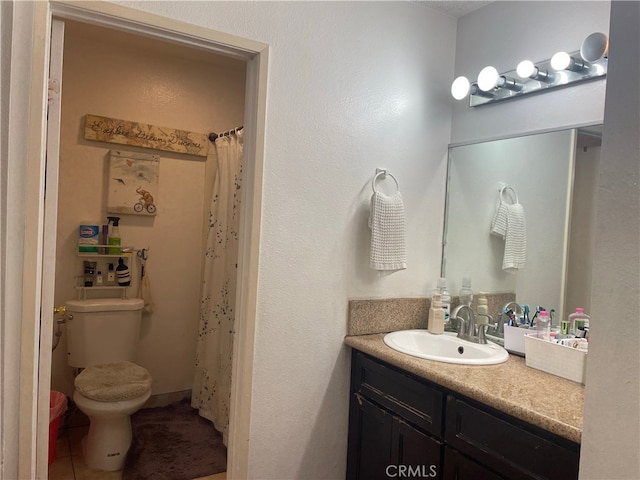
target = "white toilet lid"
x: 112, y: 382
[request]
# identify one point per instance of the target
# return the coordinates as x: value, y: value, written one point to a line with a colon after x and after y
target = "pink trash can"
x: 57, y: 406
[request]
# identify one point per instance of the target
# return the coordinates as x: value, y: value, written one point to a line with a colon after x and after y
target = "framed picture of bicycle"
x: 133, y: 183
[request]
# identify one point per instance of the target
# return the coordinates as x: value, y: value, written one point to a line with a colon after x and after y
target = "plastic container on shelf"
x: 57, y: 406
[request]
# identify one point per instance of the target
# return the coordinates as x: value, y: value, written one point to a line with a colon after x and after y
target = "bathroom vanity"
x: 416, y: 418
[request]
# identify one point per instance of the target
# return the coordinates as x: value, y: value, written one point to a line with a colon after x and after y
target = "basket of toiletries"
x: 565, y: 358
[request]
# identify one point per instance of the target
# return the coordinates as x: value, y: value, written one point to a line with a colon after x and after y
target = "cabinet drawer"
x: 509, y: 446
x: 409, y: 397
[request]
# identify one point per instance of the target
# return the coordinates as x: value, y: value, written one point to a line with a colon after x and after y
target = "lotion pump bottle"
x: 466, y: 294
x: 436, y: 316
x: 483, y: 310
x: 445, y: 297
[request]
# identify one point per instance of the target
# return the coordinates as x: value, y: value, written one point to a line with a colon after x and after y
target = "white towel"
x: 515, y: 245
x: 386, y: 221
x: 499, y: 222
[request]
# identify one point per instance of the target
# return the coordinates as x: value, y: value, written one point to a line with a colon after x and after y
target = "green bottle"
x: 114, y: 236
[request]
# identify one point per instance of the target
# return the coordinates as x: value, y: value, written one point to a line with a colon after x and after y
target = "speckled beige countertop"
x: 547, y: 401
x: 539, y: 398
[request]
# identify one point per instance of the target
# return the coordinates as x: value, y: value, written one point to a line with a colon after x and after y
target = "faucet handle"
x: 482, y: 331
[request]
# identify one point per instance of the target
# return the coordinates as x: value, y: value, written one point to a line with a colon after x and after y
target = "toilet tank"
x: 103, y: 330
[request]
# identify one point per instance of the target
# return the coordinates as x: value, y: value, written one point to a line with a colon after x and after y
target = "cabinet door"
x: 416, y: 454
x: 459, y: 467
x: 383, y: 446
x: 370, y: 440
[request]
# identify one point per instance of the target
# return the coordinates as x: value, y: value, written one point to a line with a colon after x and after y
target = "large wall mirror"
x: 553, y: 176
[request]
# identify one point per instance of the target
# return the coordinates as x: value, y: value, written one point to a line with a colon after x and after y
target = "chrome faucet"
x: 468, y: 329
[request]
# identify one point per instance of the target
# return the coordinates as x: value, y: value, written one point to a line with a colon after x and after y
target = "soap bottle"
x: 445, y: 298
x: 483, y: 311
x: 543, y: 325
x: 578, y: 319
x: 111, y: 275
x: 436, y: 316
x: 114, y: 236
x: 466, y: 294
x: 122, y: 274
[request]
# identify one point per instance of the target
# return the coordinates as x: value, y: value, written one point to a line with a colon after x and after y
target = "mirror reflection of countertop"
x: 547, y: 401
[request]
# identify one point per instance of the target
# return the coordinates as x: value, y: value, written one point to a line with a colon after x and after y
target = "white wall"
x: 352, y: 86
x: 119, y: 76
x: 611, y: 437
x: 504, y: 33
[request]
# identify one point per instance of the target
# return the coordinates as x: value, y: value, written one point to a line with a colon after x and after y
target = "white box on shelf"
x: 514, y: 339
x: 551, y: 357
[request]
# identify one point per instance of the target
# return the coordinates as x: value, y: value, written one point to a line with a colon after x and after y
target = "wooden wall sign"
x: 123, y: 132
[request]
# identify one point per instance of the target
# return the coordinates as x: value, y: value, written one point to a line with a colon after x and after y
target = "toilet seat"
x: 113, y: 382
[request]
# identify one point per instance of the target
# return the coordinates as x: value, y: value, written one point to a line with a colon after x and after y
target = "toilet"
x: 102, y: 338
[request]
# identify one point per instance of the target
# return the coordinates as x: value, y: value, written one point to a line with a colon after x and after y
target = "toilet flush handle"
x: 62, y: 312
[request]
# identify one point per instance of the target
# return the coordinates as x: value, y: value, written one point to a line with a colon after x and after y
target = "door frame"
x: 36, y: 359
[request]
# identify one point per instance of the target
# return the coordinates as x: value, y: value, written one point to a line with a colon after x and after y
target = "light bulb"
x: 526, y: 69
x: 488, y: 78
x: 561, y: 61
x: 460, y: 88
x: 594, y: 47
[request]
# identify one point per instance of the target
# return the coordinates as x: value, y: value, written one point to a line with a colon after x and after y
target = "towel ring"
x: 384, y: 173
x: 507, y: 187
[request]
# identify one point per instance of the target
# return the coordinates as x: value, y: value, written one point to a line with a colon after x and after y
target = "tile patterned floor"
x: 69, y: 463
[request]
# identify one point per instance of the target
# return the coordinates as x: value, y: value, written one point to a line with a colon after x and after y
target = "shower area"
x: 118, y: 75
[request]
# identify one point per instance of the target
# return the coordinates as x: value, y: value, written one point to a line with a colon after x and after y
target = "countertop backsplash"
x: 390, y: 314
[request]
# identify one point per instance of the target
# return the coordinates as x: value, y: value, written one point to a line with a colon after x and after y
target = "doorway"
x: 199, y: 43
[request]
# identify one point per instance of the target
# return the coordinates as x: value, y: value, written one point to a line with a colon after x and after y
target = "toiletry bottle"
x: 122, y: 274
x: 578, y: 319
x: 111, y: 275
x: 445, y: 298
x: 105, y: 238
x: 483, y: 311
x: 436, y: 316
x: 99, y: 279
x: 466, y: 294
x: 114, y: 236
x: 543, y: 325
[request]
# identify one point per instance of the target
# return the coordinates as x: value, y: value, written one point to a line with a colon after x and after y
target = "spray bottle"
x: 114, y: 236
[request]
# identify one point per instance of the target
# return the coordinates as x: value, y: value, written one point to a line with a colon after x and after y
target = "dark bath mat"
x: 173, y: 443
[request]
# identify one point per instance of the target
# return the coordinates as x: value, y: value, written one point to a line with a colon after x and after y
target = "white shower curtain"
x: 212, y: 382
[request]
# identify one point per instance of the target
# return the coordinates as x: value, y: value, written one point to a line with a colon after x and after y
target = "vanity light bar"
x: 562, y: 70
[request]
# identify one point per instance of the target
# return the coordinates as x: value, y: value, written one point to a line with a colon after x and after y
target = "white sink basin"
x: 445, y: 348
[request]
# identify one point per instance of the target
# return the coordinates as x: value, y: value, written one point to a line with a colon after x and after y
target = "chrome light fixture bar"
x: 562, y: 70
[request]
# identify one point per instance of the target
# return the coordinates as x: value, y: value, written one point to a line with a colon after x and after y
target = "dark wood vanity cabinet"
x: 402, y: 426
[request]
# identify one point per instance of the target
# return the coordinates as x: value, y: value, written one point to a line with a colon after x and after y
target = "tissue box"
x: 551, y: 357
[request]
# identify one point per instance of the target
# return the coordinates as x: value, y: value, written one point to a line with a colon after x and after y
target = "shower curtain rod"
x: 213, y: 136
